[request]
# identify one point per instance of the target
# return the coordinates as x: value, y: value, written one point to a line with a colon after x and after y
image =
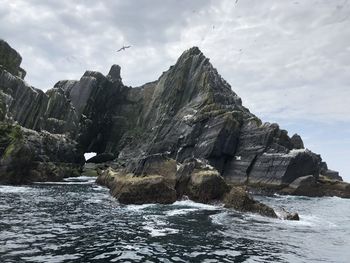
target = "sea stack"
x: 186, y: 133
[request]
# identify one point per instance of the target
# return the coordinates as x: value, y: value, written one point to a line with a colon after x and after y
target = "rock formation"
x: 37, y: 129
x: 186, y: 133
x: 11, y: 60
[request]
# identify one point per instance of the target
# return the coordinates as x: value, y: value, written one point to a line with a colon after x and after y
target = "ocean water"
x: 78, y: 221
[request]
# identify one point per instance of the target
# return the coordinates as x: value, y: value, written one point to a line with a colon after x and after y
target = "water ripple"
x: 78, y: 220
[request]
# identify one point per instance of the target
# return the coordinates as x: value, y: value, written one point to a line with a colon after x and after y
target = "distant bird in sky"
x: 123, y: 48
x: 236, y: 1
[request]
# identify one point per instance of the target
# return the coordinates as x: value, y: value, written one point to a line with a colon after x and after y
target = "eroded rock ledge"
x: 170, y: 128
x: 194, y: 179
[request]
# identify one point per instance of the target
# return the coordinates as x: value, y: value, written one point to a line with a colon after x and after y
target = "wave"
x: 73, y: 180
x: 178, y: 212
x: 15, y: 189
x: 81, y: 179
x: 64, y: 183
x: 159, y: 232
x: 190, y: 203
x: 137, y: 208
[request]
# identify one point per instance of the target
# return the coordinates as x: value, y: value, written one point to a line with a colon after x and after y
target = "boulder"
x: 292, y: 216
x: 156, y: 164
x: 200, y: 182
x: 239, y: 199
x: 285, y: 215
x: 297, y: 141
x: 130, y: 189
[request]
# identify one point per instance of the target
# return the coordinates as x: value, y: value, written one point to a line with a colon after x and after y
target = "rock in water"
x: 239, y: 199
x: 200, y: 182
x: 322, y: 186
x: 129, y: 189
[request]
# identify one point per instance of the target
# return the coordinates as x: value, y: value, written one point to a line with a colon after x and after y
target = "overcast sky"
x: 288, y: 60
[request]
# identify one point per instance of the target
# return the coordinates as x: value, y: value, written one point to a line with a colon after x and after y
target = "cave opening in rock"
x: 89, y: 155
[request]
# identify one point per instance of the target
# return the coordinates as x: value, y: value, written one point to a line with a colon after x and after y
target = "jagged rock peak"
x: 114, y: 73
x: 193, y: 51
x: 11, y: 60
x: 195, y: 55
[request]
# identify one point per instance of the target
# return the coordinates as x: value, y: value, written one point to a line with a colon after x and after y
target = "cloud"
x: 288, y: 60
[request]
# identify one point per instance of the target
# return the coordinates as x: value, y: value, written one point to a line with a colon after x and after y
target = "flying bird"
x: 123, y: 48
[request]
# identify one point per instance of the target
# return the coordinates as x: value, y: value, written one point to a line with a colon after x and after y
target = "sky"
x: 288, y: 60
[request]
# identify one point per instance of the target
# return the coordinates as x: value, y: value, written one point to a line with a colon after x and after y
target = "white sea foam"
x: 158, y: 232
x: 80, y: 179
x: 15, y: 189
x: 189, y: 203
x: 220, y: 218
x: 309, y: 220
x: 65, y: 183
x: 178, y: 212
x: 138, y: 207
x: 99, y: 188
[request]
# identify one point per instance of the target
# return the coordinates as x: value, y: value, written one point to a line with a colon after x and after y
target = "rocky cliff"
x: 37, y: 129
x: 189, y: 115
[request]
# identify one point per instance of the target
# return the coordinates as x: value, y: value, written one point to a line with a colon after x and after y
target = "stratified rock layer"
x: 37, y: 129
x: 189, y: 113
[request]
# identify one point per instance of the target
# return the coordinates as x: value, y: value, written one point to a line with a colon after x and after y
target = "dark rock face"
x: 36, y: 128
x: 278, y: 169
x: 297, y: 142
x: 34, y: 109
x: 239, y: 199
x: 27, y: 156
x: 106, y: 109
x: 10, y: 60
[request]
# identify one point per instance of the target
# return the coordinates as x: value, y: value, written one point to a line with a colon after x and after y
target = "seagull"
x: 123, y: 48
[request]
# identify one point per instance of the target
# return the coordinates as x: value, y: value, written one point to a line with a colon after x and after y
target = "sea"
x: 78, y: 221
